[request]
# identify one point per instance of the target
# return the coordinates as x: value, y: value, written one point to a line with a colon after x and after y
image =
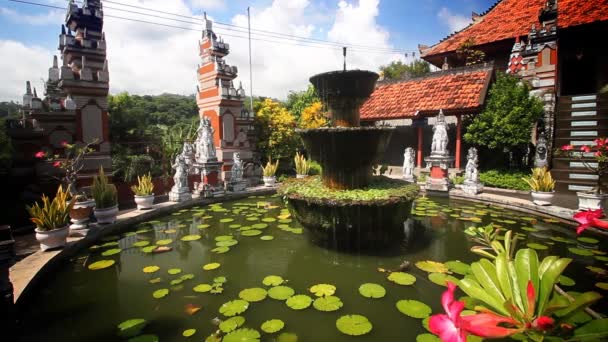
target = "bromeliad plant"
x: 540, y: 180
x: 599, y: 153
x: 104, y: 193
x: 517, y: 295
x: 52, y: 214
x: 302, y: 164
x: 144, y: 186
x: 270, y: 169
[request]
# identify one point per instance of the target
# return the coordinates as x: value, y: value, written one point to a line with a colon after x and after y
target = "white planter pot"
x: 144, y: 202
x: 591, y: 201
x: 52, y: 238
x: 542, y: 198
x: 298, y: 176
x: 106, y: 215
x: 269, y: 181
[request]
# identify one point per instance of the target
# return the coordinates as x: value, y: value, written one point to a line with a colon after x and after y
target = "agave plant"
x: 302, y: 164
x: 144, y: 186
x: 104, y: 193
x: 52, y: 214
x: 271, y: 168
x: 540, y: 180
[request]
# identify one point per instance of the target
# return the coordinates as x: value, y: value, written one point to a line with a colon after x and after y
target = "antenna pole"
x: 344, y: 54
x: 250, y: 67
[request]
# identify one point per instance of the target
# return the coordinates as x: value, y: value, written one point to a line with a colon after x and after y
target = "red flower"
x: 40, y: 154
x: 64, y: 143
x: 599, y: 142
x: 567, y: 148
x: 585, y: 148
x: 598, y: 154
x: 543, y: 323
x: 588, y: 219
x: 57, y: 164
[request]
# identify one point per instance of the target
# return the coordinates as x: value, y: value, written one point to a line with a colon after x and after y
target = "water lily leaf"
x: 131, y: 327
x: 598, y: 270
x: 170, y: 231
x: 428, y: 338
x: 329, y: 303
x: 432, y: 266
x: 251, y: 232
x: 189, y: 332
x: 110, y: 252
x: 371, y: 290
x: 155, y: 280
x: 203, y: 226
x: 402, y: 278
x: 101, y: 264
x: 151, y: 269
x: 441, y: 278
x: 459, y: 267
x: 601, y: 258
x: 187, y: 276
x: 413, y: 308
x: 566, y: 281
x: 220, y: 280
x: 321, y: 290
x: 176, y: 282
x: 603, y: 286
x: 217, y: 290
x: 234, y: 307
x: 299, y: 302
x: 266, y: 237
x: 269, y: 219
x: 535, y: 245
x: 280, y: 292
x: 164, y: 242
x: 110, y: 244
x: 273, y: 280
x: 202, y: 288
x: 242, y: 335
x: 226, y: 220
x: 580, y: 251
x: 255, y: 294
x: 142, y: 243
x: 232, y: 324
x: 192, y: 237
x: 149, y: 249
x: 287, y: 337
x: 252, y: 218
x: 174, y: 271
x: 354, y: 325
x: 144, y: 338
x: 234, y: 226
x: 224, y: 238
x: 221, y: 250
x: 272, y: 326
x: 211, y: 266
x: 259, y: 226
x: 588, y: 240
x: 227, y: 243
x: 160, y: 293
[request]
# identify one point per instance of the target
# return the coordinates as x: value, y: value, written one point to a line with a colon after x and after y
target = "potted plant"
x: 144, y: 197
x: 542, y: 185
x: 268, y: 173
x: 594, y: 158
x: 302, y: 165
x: 106, y: 199
x: 52, y: 219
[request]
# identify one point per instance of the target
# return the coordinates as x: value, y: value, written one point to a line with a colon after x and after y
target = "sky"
x: 151, y: 59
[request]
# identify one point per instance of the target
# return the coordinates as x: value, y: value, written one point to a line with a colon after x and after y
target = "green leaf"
x: 131, y: 327
x: 427, y: 338
x: 144, y: 338
x: 371, y: 290
x: 580, y: 302
x: 255, y: 294
x: 526, y: 268
x: 321, y: 290
x: 432, y: 266
x: 329, y: 303
x: 595, y: 330
x: 413, y: 308
x: 354, y: 325
x: 251, y: 232
x: 193, y: 237
x: 111, y: 252
x: 485, y: 273
x: 273, y: 280
x: 441, y: 279
x: 211, y: 266
x: 272, y: 326
x: 234, y: 307
x: 299, y: 302
x: 243, y: 335
x: 160, y: 293
x: 188, y: 332
x: 287, y: 337
x: 232, y: 324
x: 401, y: 278
x: 474, y: 290
x: 459, y: 267
x: 548, y: 280
x: 280, y: 292
x: 174, y: 271
x: 202, y: 288
x: 101, y: 264
x: 504, y: 279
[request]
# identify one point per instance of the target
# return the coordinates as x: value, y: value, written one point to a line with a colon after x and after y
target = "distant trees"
x: 275, y: 125
x: 297, y: 101
x: 313, y: 116
x: 9, y: 109
x: 398, y: 70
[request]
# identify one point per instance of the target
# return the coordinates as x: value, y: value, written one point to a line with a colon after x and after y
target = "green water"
x: 77, y: 304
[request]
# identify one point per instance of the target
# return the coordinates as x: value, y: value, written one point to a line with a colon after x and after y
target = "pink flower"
x: 567, y: 148
x: 543, y: 323
x: 598, y: 154
x: 57, y: 164
x: 586, y: 148
x: 64, y: 143
x: 588, y: 219
x: 599, y: 142
x: 39, y: 154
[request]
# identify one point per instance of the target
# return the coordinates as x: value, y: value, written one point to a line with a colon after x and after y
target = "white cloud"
x: 51, y: 17
x: 22, y: 63
x: 208, y: 4
x: 455, y: 22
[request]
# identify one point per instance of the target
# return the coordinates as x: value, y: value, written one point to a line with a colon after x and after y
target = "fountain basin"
x: 346, y: 154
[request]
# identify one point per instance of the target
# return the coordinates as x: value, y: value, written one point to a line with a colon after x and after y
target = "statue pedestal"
x: 438, y: 180
x: 472, y: 188
x: 410, y: 178
x: 179, y: 194
x: 210, y: 174
x: 237, y: 186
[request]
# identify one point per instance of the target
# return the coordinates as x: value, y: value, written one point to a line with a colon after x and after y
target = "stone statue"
x: 540, y: 158
x: 439, y: 146
x: 180, y: 190
x: 409, y: 164
x: 205, y: 149
x: 471, y: 174
x: 188, y: 153
x: 237, y: 169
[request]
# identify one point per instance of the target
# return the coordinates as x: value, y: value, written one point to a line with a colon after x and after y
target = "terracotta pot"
x: 144, y: 202
x: 591, y: 201
x: 106, y: 215
x: 542, y: 198
x: 52, y: 238
x: 269, y: 181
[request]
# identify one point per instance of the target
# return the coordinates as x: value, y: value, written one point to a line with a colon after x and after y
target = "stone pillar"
x: 419, y: 150
x: 458, y: 140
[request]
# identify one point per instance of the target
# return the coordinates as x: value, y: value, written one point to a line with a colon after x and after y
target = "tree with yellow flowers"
x: 276, y: 130
x: 313, y: 116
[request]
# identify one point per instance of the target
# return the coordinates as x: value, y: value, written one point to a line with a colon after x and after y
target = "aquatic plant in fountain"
x: 347, y: 205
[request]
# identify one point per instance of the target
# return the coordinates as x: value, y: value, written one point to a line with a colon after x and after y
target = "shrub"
x: 144, y: 186
x: 540, y: 180
x: 504, y: 179
x: 302, y: 164
x: 53, y: 214
x: 314, y: 168
x: 270, y: 169
x: 104, y: 193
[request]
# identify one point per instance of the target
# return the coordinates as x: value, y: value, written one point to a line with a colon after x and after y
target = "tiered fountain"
x: 351, y: 207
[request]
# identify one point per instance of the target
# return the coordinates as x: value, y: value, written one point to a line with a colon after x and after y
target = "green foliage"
x: 52, y: 214
x: 104, y: 193
x: 540, y: 180
x: 397, y: 70
x: 9, y: 109
x: 381, y: 188
x: 129, y: 167
x: 6, y: 148
x: 300, y: 100
x: 469, y: 54
x: 313, y: 116
x: 144, y: 186
x: 302, y: 164
x: 508, y: 118
x: 276, y: 130
x: 270, y: 169
x: 503, y: 179
x: 314, y: 168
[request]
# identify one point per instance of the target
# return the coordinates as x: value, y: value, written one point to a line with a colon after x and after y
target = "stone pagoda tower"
x: 222, y: 103
x: 75, y: 106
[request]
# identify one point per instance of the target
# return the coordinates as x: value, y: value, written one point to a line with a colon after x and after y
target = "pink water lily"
x: 590, y: 218
x: 40, y: 154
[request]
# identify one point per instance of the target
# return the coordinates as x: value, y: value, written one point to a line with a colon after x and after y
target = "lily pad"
x: 131, y: 327
x: 354, y: 325
x: 402, y: 278
x: 164, y: 242
x: 255, y: 294
x: 458, y: 266
x: 224, y: 238
x: 187, y: 276
x: 413, y: 308
x: 429, y: 338
x: 142, y: 243
x: 189, y: 332
x: 329, y: 303
x: 272, y: 326
x: 234, y: 226
x: 371, y: 290
x: 242, y: 335
x: 603, y: 286
x: 299, y: 302
x: 227, y: 243
x: 566, y: 281
x: 280, y: 292
x: 202, y: 288
x: 220, y: 280
x: 221, y: 250
x: 155, y: 280
x: 535, y: 245
x: 160, y: 293
x: 211, y: 266
x: 176, y: 282
x: 580, y: 251
x: 110, y: 252
x: 232, y: 324
x: 269, y: 219
x: 441, y: 279
x: 234, y: 307
x: 203, y: 226
x: 266, y: 237
x: 149, y: 249
x: 151, y: 269
x: 101, y: 264
x: 287, y: 337
x: 226, y: 220
x: 432, y: 266
x: 144, y: 338
x: 321, y: 290
x: 173, y: 271
x: 251, y: 232
x: 273, y: 280
x: 259, y: 226
x: 193, y: 237
x: 588, y: 240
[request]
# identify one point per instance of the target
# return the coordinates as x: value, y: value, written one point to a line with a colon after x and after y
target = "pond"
x: 218, y: 251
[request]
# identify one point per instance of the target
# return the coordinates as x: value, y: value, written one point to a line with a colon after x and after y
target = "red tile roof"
x: 454, y: 91
x: 512, y: 18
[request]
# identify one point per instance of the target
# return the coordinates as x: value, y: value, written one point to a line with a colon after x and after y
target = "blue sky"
x: 30, y: 32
